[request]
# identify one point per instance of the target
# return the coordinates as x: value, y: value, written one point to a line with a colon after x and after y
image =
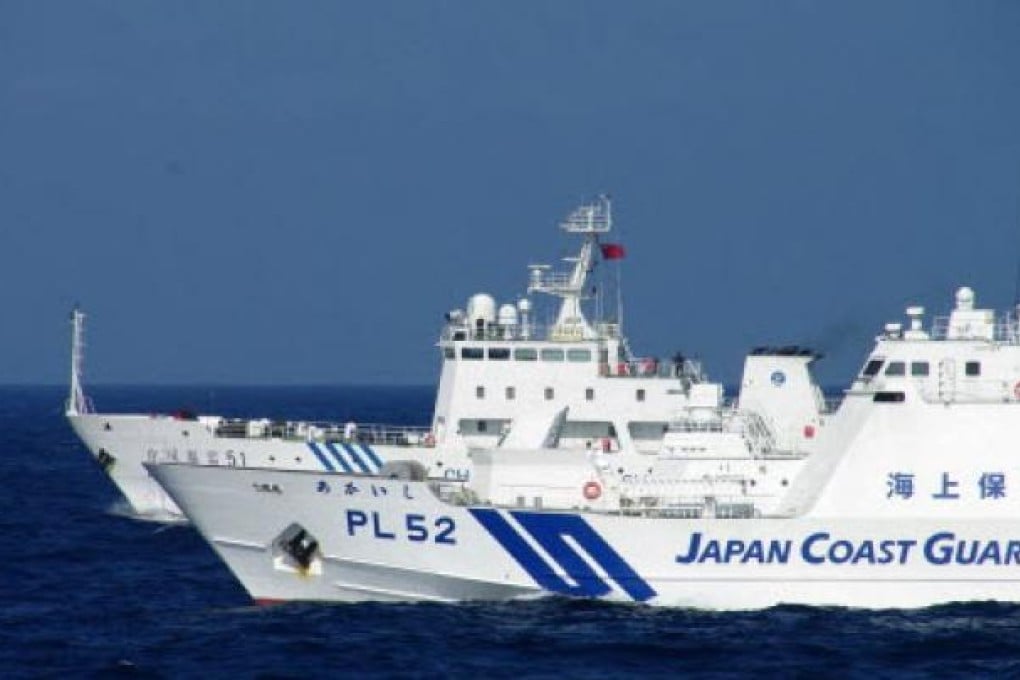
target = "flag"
x: 612, y: 251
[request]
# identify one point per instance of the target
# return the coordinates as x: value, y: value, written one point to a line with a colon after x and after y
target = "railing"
x: 1005, y: 329
x: 649, y: 367
x: 692, y: 506
x: 752, y: 426
x: 361, y: 433
x: 548, y: 280
x: 688, y: 507
x: 970, y: 391
x: 535, y: 333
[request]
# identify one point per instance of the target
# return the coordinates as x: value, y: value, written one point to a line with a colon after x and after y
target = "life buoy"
x: 430, y: 439
x: 1016, y: 390
x: 591, y: 490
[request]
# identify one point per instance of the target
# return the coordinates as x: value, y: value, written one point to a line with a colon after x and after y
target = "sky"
x: 295, y: 192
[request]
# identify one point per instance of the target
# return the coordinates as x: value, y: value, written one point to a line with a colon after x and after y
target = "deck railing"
x: 362, y: 433
x: 1005, y: 329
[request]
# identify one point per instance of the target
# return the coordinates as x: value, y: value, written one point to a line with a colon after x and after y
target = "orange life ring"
x: 591, y: 490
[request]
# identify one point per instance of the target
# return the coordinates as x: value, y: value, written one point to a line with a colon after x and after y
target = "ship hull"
x: 123, y: 444
x: 381, y: 540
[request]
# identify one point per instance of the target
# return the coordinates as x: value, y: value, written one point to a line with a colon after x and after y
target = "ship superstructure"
x: 905, y: 497
x: 507, y: 381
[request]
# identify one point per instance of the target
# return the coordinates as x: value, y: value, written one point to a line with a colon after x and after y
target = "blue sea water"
x: 87, y: 591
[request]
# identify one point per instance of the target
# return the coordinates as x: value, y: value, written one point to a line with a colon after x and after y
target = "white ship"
x: 507, y: 382
x: 908, y: 496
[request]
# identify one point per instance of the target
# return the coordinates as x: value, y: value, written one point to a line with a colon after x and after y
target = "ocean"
x: 87, y: 591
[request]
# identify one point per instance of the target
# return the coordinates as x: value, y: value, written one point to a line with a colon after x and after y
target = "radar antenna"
x: 590, y: 218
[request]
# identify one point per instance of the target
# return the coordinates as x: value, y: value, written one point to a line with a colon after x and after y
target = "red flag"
x: 612, y: 251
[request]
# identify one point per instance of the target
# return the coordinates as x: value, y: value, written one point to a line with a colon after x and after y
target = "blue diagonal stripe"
x: 356, y: 457
x: 371, y: 454
x: 550, y: 531
x: 322, y: 459
x: 339, y: 457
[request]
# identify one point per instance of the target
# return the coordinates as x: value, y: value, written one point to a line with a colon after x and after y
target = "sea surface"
x: 87, y: 591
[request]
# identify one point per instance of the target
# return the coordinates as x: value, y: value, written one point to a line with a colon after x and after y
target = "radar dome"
x: 507, y: 315
x: 481, y: 310
x: 965, y: 298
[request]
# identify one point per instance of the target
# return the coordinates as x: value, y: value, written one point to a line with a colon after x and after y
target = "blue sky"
x: 295, y: 192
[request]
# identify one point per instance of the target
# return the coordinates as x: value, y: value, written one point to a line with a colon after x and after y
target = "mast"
x: 590, y: 220
x: 77, y: 403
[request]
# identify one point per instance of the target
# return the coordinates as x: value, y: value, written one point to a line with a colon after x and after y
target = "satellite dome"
x: 507, y: 315
x: 965, y: 298
x: 481, y: 307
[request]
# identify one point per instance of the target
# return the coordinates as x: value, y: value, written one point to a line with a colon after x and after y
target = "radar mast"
x: 590, y: 220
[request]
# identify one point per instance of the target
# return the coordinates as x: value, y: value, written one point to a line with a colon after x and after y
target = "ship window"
x: 483, y: 426
x: 472, y: 353
x: 501, y: 353
x: 480, y: 392
x: 873, y: 367
x: 895, y: 368
x: 525, y: 354
x: 549, y: 393
x: 972, y: 368
x: 644, y: 430
x: 449, y: 353
x: 919, y: 368
x: 552, y: 354
x: 579, y: 355
x: 640, y: 395
x: 511, y: 393
x: 589, y: 394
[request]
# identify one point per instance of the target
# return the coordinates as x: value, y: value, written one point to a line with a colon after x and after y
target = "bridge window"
x: 919, y: 369
x: 552, y: 354
x: 449, y: 353
x: 549, y: 394
x: 511, y: 393
x: 589, y: 394
x: 500, y: 353
x: 872, y: 368
x: 579, y: 355
x: 895, y: 368
x: 472, y: 353
x: 972, y: 368
x: 525, y: 354
x: 480, y: 392
x: 640, y: 394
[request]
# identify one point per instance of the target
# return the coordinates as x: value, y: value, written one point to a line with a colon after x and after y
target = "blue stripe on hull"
x: 356, y: 457
x: 322, y: 459
x: 339, y: 457
x: 371, y: 454
x: 551, y: 532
